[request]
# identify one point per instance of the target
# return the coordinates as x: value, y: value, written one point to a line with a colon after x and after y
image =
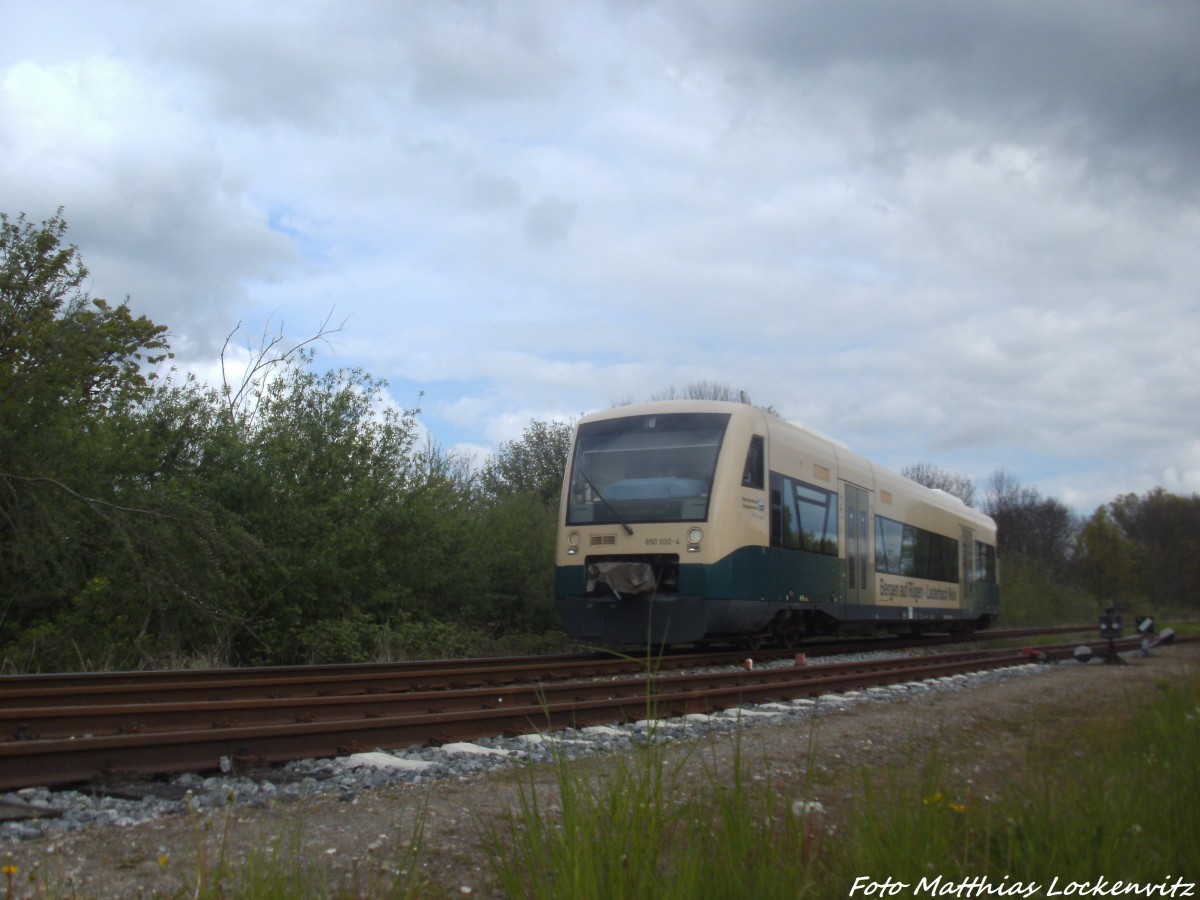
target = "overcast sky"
x: 962, y: 233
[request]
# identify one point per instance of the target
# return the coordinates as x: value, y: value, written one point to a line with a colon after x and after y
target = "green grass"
x: 624, y: 831
x: 1114, y: 798
x: 1118, y: 801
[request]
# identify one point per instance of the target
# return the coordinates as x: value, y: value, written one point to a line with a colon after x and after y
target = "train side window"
x: 752, y: 472
x: 985, y: 569
x: 914, y: 552
x: 889, y: 540
x: 818, y: 518
x: 803, y: 517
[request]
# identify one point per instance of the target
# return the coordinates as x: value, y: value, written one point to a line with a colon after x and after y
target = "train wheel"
x: 754, y: 641
x: 791, y: 637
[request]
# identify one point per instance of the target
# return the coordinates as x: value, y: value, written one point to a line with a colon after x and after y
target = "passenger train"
x: 703, y: 521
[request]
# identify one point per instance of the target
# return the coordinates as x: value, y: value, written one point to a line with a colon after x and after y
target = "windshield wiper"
x: 600, y: 497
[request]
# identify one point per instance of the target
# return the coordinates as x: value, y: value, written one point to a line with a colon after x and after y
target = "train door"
x: 858, y: 545
x: 966, y: 574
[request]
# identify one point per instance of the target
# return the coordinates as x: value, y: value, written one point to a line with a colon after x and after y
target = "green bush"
x: 1030, y: 594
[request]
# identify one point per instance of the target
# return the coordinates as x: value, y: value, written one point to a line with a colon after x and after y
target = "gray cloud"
x: 1114, y: 82
x: 947, y: 231
x: 549, y: 220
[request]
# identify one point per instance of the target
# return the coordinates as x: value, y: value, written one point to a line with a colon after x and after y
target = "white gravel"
x: 347, y: 777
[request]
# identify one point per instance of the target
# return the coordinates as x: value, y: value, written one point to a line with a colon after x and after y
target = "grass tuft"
x: 1119, y: 802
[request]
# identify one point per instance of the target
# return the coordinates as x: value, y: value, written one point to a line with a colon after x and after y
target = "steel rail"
x: 212, y: 685
x: 65, y: 760
x: 72, y: 680
x: 62, y: 760
x: 306, y: 682
x: 43, y: 723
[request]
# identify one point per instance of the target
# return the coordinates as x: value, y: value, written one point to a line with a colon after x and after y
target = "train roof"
x: 780, y: 429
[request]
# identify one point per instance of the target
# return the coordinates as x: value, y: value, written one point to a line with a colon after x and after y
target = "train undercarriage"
x: 635, y: 599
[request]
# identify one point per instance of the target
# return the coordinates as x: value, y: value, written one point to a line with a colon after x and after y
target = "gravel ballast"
x: 354, y: 814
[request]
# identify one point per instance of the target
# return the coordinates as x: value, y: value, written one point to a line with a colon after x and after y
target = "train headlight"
x: 573, y: 542
x: 694, y: 537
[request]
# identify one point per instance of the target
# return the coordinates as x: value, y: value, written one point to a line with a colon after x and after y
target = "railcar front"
x: 664, y: 524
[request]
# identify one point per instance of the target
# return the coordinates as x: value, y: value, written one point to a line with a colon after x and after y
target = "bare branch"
x: 88, y: 501
x: 262, y: 361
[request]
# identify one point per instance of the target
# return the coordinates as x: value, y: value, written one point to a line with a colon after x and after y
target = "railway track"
x: 64, y: 733
x: 219, y: 685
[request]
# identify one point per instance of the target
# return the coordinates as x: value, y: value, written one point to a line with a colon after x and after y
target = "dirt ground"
x: 355, y: 846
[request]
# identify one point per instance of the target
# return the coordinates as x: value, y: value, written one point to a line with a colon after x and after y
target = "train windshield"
x: 655, y: 468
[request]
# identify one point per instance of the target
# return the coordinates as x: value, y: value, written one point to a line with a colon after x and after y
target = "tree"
x: 282, y: 516
x: 699, y: 390
x: 323, y: 481
x: 1165, y: 529
x: 1105, y: 559
x: 274, y: 353
x: 1035, y: 537
x: 1037, y: 527
x: 704, y: 390
x: 517, y: 508
x: 62, y: 351
x: 533, y: 465
x: 515, y: 566
x: 932, y: 476
x: 74, y: 372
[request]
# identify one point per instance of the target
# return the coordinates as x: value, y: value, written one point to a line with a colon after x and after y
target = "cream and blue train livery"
x: 696, y: 521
